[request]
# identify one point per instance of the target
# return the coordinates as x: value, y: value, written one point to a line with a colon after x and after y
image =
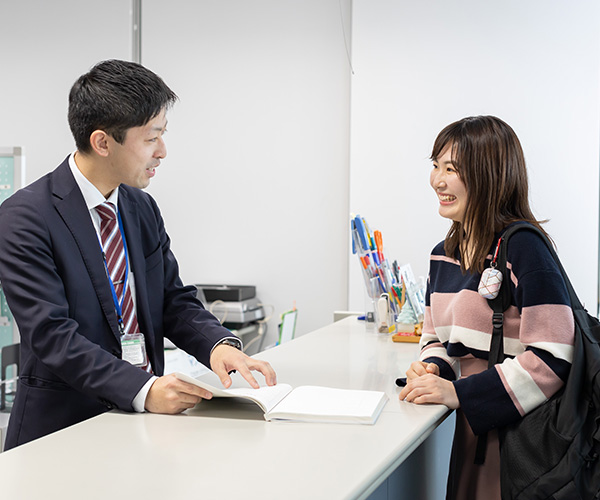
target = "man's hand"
x: 226, y: 358
x: 170, y: 395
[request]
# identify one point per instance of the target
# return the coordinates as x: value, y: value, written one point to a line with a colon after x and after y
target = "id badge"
x: 133, y: 347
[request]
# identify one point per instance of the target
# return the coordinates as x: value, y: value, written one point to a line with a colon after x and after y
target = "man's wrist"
x: 233, y: 342
x: 230, y: 341
x: 139, y: 402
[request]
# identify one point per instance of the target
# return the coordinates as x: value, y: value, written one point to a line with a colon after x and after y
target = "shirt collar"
x: 90, y: 193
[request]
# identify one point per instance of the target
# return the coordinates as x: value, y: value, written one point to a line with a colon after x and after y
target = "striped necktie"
x: 114, y: 253
x: 116, y: 265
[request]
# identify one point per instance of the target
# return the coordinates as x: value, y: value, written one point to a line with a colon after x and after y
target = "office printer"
x: 236, y: 306
x: 238, y: 309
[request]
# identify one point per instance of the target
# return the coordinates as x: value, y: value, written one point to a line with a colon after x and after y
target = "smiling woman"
x: 485, y: 170
x: 480, y: 179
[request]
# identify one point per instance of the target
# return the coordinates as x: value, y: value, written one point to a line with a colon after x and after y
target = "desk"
x: 225, y: 449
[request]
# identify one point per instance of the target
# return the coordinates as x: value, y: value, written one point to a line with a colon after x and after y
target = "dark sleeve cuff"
x: 485, y: 402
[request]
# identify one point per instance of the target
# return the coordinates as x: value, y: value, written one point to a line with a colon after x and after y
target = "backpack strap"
x: 496, y: 354
x: 498, y: 305
x: 502, y: 302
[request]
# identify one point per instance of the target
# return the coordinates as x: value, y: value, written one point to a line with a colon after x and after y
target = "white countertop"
x: 225, y: 449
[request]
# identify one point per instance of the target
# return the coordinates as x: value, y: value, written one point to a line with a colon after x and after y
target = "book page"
x: 329, y: 404
x: 266, y: 397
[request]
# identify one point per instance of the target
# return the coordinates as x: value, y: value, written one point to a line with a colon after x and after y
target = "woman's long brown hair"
x: 489, y: 160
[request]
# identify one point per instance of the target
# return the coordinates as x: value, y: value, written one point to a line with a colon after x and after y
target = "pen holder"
x: 385, y: 319
x: 373, y: 292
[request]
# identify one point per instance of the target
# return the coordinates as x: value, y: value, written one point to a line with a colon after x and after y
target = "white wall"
x: 258, y: 145
x: 422, y: 65
x: 255, y: 187
x: 44, y: 48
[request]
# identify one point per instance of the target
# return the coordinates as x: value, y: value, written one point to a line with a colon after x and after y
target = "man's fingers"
x: 266, y: 369
x: 226, y: 359
x: 168, y: 394
x: 247, y: 374
x: 190, y: 392
x: 222, y: 372
x: 223, y: 375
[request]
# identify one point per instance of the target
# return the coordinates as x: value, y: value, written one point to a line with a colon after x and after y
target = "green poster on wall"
x: 10, y: 180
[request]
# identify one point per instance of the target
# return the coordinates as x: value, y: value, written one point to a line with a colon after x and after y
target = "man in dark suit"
x: 74, y: 362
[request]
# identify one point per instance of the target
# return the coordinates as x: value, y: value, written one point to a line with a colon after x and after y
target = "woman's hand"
x: 420, y: 368
x: 429, y: 388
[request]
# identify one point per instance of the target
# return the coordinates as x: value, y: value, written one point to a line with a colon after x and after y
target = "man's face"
x: 134, y: 162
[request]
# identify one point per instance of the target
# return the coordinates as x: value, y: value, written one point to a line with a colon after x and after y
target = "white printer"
x: 236, y: 306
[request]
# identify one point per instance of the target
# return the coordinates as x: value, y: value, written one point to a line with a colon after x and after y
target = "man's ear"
x: 99, y: 142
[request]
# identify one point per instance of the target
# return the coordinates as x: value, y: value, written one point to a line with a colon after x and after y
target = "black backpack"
x: 553, y: 451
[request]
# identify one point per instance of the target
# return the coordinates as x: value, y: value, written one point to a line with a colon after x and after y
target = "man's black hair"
x: 115, y: 96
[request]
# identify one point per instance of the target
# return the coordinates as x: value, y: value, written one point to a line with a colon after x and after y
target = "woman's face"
x: 450, y: 189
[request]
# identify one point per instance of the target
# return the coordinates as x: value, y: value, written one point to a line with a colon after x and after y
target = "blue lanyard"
x: 118, y: 305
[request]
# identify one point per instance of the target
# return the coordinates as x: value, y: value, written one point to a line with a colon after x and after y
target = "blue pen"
x: 366, y: 243
x: 366, y: 270
x: 362, y: 233
x: 376, y: 259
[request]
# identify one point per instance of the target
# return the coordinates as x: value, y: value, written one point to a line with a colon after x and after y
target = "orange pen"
x: 379, y: 244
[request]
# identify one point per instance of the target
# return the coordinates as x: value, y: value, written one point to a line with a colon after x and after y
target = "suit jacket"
x: 55, y: 283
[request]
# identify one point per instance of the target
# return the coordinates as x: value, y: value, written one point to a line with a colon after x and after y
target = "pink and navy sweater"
x: 538, y: 333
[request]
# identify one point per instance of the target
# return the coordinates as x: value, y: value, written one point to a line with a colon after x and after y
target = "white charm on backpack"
x: 491, y: 278
x: 489, y: 285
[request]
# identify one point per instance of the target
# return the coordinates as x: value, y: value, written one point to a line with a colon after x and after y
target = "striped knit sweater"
x: 538, y: 333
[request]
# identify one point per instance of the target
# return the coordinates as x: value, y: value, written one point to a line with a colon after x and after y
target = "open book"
x: 307, y: 403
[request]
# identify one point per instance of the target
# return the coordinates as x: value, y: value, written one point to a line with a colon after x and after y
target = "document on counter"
x: 306, y: 403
